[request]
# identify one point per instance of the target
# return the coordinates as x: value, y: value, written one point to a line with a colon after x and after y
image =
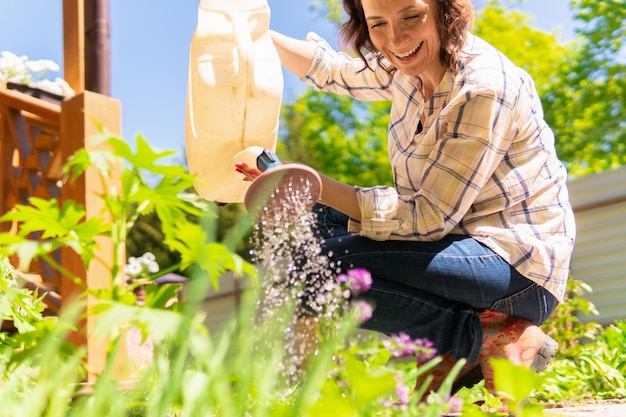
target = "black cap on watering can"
x: 267, y: 160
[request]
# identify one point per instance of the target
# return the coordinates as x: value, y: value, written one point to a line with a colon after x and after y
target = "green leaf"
x: 515, y: 384
x: 332, y: 402
x: 57, y: 226
x: 158, y: 296
x: 367, y: 384
x: 145, y: 157
x: 158, y: 323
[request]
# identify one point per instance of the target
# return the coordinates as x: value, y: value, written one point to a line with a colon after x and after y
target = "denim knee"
x: 533, y: 303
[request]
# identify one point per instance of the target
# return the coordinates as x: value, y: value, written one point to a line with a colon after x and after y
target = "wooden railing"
x: 36, y: 139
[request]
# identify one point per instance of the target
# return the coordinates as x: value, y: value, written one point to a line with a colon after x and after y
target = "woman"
x: 471, y: 247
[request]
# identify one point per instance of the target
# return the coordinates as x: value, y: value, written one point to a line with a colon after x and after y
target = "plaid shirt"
x: 483, y: 164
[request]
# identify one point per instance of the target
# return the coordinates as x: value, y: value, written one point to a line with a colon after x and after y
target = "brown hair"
x: 454, y: 22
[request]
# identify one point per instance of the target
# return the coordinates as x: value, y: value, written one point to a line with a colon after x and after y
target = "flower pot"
x: 36, y: 92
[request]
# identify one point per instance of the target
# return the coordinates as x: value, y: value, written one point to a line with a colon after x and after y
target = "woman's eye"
x: 417, y: 16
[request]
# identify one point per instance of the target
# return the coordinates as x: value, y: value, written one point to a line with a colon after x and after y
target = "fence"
x: 36, y: 138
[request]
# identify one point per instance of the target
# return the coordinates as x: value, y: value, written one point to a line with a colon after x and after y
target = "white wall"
x: 599, y: 202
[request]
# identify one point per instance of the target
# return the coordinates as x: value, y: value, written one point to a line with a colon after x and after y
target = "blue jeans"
x: 434, y: 290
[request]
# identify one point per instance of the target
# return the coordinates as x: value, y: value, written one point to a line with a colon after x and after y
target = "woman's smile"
x: 407, y: 56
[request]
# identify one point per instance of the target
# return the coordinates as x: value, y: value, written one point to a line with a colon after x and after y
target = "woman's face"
x: 405, y: 32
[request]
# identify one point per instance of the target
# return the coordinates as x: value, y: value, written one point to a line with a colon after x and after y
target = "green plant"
x: 147, y: 187
x: 565, y: 325
x: 231, y: 372
x: 596, y: 371
x: 19, y: 306
x: 591, y: 362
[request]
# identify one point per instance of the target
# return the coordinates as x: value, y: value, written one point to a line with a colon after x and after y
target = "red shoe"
x: 515, y: 339
x: 504, y: 336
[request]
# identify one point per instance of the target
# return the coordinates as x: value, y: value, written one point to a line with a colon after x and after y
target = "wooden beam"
x: 78, y: 127
x: 74, y: 44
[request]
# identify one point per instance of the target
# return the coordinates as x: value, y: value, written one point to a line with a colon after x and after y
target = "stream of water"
x: 293, y: 273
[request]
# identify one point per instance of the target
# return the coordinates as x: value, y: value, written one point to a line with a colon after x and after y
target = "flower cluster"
x: 401, y: 345
x: 357, y: 281
x: 142, y: 267
x: 354, y: 283
x: 401, y: 396
x: 21, y: 70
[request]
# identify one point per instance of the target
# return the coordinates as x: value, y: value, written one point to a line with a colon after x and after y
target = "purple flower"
x: 424, y: 350
x: 402, y: 393
x: 363, y: 310
x: 401, y: 345
x: 358, y: 280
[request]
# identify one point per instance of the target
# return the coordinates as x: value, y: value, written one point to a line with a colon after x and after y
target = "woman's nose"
x: 397, y: 34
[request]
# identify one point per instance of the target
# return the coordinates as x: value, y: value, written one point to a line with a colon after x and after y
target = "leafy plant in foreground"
x: 231, y: 372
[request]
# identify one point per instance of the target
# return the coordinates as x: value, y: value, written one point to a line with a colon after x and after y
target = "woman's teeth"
x: 408, y: 54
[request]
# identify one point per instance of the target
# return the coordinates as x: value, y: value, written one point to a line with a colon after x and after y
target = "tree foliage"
x: 586, y: 104
x: 581, y: 83
x: 338, y: 136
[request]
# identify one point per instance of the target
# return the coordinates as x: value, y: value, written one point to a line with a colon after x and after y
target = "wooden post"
x: 74, y: 44
x: 78, y: 117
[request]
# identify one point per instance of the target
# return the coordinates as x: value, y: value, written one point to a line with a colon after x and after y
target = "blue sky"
x: 150, y: 49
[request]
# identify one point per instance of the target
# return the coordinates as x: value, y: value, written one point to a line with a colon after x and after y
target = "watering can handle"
x: 245, y: 53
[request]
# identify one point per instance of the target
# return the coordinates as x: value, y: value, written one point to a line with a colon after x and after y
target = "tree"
x: 510, y: 31
x: 586, y: 104
x: 338, y: 136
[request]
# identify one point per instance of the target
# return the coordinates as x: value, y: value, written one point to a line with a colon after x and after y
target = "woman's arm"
x: 296, y: 55
x: 340, y: 196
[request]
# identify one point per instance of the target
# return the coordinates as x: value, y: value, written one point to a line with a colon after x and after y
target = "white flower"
x: 149, y: 256
x: 13, y: 68
x: 42, y: 65
x: 58, y: 86
x: 21, y: 70
x: 133, y: 268
x: 153, y: 267
x: 141, y: 267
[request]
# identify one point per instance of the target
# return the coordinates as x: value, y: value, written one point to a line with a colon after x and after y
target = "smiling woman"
x: 471, y: 246
x: 408, y: 39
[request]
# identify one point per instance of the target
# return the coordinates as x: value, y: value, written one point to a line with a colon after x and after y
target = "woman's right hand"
x: 250, y: 174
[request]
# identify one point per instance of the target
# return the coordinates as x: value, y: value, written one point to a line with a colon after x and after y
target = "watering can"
x: 234, y: 94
